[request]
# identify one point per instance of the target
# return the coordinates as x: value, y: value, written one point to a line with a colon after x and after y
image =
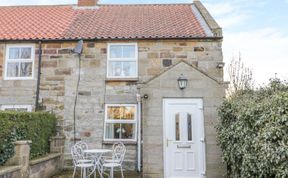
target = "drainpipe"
x: 139, y: 133
x: 38, y: 75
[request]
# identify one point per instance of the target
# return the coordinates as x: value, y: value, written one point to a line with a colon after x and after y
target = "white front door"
x: 184, y: 138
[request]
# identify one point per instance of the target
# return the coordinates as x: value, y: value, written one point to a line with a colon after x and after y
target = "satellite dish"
x: 79, y: 47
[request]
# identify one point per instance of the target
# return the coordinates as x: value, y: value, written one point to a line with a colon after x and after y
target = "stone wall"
x: 165, y: 86
x: 20, y: 165
x: 10, y: 171
x: 45, y: 167
x: 59, y: 79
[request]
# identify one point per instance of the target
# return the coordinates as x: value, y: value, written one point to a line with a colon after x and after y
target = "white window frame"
x: 28, y: 107
x: 122, y: 59
x: 107, y: 121
x: 19, y: 60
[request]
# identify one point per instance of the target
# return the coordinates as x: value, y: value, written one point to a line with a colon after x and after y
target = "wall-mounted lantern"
x: 182, y: 82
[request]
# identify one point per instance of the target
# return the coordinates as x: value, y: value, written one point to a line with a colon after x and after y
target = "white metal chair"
x: 86, y: 164
x: 118, y: 155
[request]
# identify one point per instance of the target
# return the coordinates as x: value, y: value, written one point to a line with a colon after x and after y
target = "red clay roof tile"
x: 101, y: 22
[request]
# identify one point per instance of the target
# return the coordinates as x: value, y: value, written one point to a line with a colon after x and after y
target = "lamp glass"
x: 182, y: 82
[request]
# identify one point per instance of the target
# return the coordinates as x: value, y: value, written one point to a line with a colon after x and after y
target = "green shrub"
x: 35, y: 126
x: 253, y: 132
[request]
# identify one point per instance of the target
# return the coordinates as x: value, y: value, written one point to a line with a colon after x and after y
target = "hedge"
x: 253, y: 132
x: 35, y: 126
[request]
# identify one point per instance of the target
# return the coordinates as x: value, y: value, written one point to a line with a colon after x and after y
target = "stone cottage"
x: 148, y: 75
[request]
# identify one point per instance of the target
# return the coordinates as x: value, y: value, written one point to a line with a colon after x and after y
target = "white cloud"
x: 263, y: 50
x: 219, y: 9
x: 228, y: 14
x: 232, y: 20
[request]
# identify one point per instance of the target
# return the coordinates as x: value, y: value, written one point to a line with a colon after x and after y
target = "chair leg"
x: 74, y: 172
x: 121, y: 171
x: 102, y: 170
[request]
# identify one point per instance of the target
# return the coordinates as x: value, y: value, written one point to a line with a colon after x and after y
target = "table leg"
x: 111, y: 172
x: 84, y: 173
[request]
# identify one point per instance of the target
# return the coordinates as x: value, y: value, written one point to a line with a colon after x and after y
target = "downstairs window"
x: 120, y: 122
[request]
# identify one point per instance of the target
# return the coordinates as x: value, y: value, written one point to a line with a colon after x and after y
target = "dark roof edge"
x: 213, y: 25
x: 112, y: 39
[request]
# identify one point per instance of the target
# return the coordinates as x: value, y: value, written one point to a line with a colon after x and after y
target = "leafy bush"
x: 253, y: 132
x: 35, y: 126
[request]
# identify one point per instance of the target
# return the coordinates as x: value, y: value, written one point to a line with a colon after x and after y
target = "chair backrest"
x: 82, y: 145
x: 77, y: 154
x: 119, y: 151
x: 77, y: 151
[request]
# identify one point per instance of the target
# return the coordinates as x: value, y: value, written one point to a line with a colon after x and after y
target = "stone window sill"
x: 124, y: 142
x: 121, y: 79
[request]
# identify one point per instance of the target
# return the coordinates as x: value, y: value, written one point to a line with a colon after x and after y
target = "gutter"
x: 37, y: 107
x: 116, y: 39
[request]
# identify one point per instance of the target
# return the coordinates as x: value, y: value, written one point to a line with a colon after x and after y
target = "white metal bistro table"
x: 97, y: 154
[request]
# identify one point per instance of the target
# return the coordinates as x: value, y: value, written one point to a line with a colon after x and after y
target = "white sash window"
x: 122, y: 60
x: 19, y: 63
x: 120, y: 122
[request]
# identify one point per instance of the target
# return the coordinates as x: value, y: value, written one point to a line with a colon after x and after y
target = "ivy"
x: 253, y: 132
x: 36, y: 126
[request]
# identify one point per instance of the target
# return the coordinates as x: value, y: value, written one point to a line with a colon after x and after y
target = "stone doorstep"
x: 8, y: 169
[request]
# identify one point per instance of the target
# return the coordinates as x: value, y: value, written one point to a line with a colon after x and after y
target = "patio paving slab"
x: 127, y: 174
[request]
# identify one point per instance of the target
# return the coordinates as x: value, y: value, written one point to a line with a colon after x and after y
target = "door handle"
x: 167, y: 142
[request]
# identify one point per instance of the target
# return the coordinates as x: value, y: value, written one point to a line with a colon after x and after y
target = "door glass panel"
x: 177, y: 127
x: 189, y: 125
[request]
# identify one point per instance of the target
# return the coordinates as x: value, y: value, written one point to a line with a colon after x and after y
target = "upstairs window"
x: 19, y: 62
x: 122, y: 60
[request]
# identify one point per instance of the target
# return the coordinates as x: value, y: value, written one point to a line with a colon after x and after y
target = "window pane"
x: 115, y: 68
x: 129, y: 51
x: 115, y: 51
x: 25, y: 53
x: 121, y: 113
x: 112, y: 131
x: 26, y: 69
x: 127, y: 131
x: 120, y: 131
x: 13, y: 69
x: 129, y: 68
x: 14, y: 53
x: 122, y: 69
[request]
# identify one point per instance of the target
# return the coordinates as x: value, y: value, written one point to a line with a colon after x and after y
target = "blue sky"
x: 256, y: 28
